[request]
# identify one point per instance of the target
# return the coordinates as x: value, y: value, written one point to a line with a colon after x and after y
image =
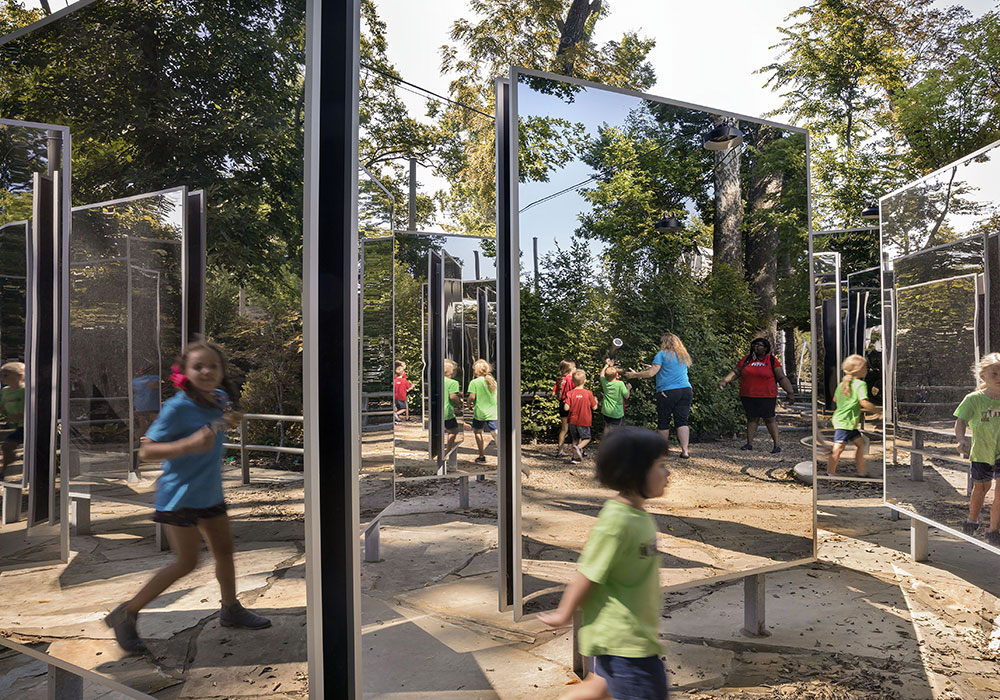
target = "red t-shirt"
x: 757, y: 377
x: 401, y: 385
x: 563, y: 387
x: 581, y: 402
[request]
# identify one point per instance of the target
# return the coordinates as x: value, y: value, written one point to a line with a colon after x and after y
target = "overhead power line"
x: 423, y: 89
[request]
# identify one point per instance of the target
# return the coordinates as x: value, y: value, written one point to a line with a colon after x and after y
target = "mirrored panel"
x: 942, y: 258
x: 445, y: 351
x: 33, y: 200
x: 126, y: 292
x: 620, y: 206
x: 849, y: 392
x: 213, y: 103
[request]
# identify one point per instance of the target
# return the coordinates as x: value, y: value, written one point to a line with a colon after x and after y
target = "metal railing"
x: 244, y: 448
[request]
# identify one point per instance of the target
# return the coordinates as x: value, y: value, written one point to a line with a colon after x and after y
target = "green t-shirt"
x: 848, y: 412
x: 486, y: 400
x: 13, y: 403
x: 451, y: 386
x: 621, y: 613
x: 983, y: 416
x: 613, y: 395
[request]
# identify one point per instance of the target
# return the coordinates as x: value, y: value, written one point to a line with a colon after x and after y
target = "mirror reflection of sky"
x: 975, y: 200
x: 463, y: 250
x: 555, y: 220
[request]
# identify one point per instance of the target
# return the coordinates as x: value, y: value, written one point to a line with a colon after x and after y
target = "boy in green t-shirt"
x: 613, y: 394
x: 12, y: 402
x: 980, y: 411
x: 483, y: 397
x: 851, y: 397
x: 617, y: 582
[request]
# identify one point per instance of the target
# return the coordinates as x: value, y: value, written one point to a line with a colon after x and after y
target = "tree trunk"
x: 762, y: 241
x: 574, y: 29
x: 727, y: 242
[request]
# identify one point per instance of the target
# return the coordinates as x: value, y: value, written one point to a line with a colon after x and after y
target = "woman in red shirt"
x: 760, y: 373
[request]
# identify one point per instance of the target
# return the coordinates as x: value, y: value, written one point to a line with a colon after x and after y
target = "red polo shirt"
x: 757, y: 377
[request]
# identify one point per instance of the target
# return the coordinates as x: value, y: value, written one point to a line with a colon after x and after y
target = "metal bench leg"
x: 918, y: 540
x: 80, y: 515
x: 11, y: 505
x: 753, y: 606
x: 917, y: 460
x: 581, y: 663
x: 64, y: 685
x: 463, y: 492
x: 372, y: 542
x: 162, y: 545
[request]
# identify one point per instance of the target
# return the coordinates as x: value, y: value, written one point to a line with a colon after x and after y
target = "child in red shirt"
x: 401, y: 385
x: 561, y: 390
x: 579, y: 405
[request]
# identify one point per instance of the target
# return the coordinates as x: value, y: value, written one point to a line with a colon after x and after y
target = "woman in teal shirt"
x: 673, y: 388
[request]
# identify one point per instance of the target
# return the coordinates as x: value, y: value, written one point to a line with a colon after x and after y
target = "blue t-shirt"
x: 191, y: 481
x: 673, y: 373
x: 146, y: 393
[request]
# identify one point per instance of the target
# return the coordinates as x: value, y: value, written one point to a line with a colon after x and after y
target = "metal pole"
x: 133, y: 457
x: 476, y: 255
x: 63, y: 685
x: 534, y: 246
x: 412, y: 225
x: 753, y: 606
x: 244, y: 464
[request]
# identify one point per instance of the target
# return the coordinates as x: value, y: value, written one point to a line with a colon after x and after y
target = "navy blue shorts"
x: 400, y: 404
x: 16, y: 436
x: 579, y: 432
x: 633, y: 679
x: 609, y: 421
x: 984, y: 472
x: 845, y: 436
x: 188, y: 517
x: 484, y: 425
x: 451, y: 424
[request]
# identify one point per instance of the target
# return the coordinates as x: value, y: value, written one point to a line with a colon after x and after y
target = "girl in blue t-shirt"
x: 188, y: 436
x: 674, y: 393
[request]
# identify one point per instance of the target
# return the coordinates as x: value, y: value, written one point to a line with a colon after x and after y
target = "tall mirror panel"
x: 620, y: 203
x: 941, y: 263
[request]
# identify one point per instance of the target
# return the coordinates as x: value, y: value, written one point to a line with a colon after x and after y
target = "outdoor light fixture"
x: 668, y: 223
x: 870, y: 212
x: 722, y: 136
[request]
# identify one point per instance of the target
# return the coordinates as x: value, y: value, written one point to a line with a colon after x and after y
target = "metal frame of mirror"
x: 941, y: 279
x: 509, y: 111
x: 38, y: 172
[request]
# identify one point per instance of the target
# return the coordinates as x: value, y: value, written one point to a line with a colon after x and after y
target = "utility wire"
x: 429, y: 92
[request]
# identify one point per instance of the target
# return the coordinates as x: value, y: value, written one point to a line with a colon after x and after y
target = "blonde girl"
x: 187, y: 436
x: 483, y: 399
x: 673, y: 388
x: 980, y: 411
x: 851, y: 398
x: 453, y: 400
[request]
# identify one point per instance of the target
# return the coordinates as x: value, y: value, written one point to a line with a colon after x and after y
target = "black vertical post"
x: 476, y: 254
x: 195, y: 253
x: 437, y: 348
x: 330, y: 340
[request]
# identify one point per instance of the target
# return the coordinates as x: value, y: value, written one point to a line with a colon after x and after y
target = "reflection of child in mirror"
x: 980, y: 411
x: 483, y: 399
x: 453, y: 400
x: 851, y: 398
x: 401, y: 385
x: 617, y: 582
x: 12, y: 402
x: 188, y: 436
x: 561, y: 390
x: 579, y: 405
x: 613, y: 394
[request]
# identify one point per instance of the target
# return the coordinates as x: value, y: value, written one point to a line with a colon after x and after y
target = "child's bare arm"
x: 869, y: 406
x: 572, y: 598
x: 964, y: 448
x: 566, y: 405
x: 195, y: 444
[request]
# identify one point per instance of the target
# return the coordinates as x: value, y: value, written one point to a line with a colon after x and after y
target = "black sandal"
x: 747, y: 446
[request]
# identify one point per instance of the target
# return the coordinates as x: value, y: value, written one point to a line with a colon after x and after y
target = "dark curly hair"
x: 625, y: 457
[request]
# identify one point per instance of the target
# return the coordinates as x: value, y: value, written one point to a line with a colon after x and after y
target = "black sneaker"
x: 969, y: 527
x: 747, y: 446
x: 123, y: 623
x: 480, y: 460
x: 236, y: 615
x: 993, y: 537
x: 775, y: 450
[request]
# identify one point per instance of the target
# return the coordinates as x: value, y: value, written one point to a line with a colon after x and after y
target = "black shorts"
x: 490, y: 425
x: 676, y: 403
x: 759, y: 407
x: 400, y: 404
x: 16, y: 436
x: 188, y: 517
x: 563, y: 413
x: 984, y: 472
x: 451, y: 424
x: 608, y: 420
